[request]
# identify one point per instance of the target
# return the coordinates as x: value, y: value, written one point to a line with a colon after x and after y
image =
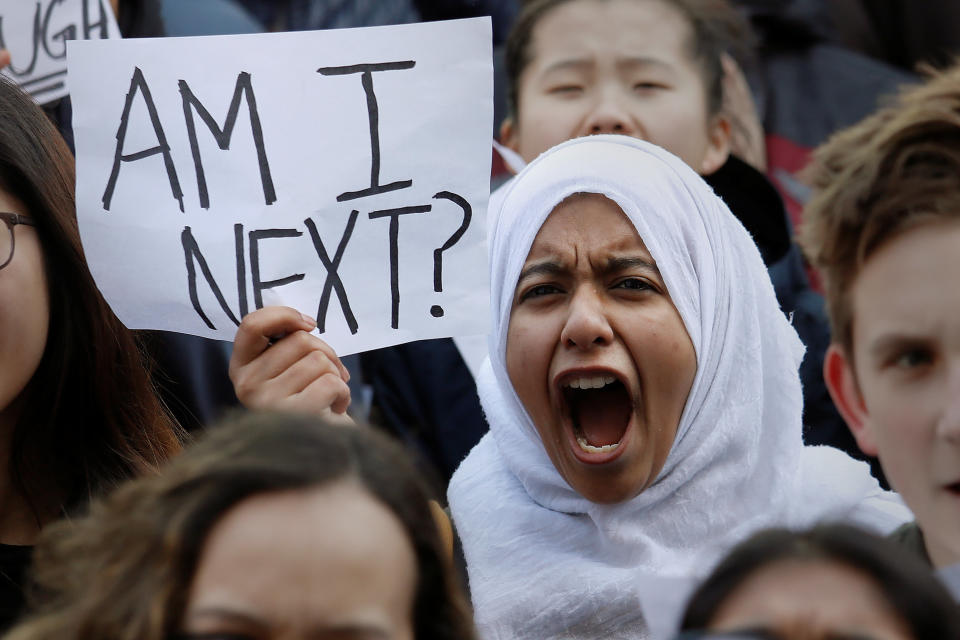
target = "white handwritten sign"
x: 36, y: 35
x: 344, y: 172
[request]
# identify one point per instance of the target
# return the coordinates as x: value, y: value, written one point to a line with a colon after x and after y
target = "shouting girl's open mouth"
x: 597, y: 410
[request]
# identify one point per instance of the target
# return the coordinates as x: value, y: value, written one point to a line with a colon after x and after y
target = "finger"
x: 255, y: 382
x: 326, y: 349
x: 257, y: 331
x: 338, y: 419
x: 334, y: 358
x: 260, y: 330
x: 281, y: 355
x: 298, y: 376
x: 328, y: 392
x: 286, y: 352
x: 4, y: 58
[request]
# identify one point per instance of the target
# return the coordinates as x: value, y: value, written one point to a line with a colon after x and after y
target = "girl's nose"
x: 587, y: 325
x: 609, y: 115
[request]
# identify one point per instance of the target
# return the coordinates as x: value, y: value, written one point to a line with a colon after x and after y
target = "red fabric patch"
x: 786, y: 157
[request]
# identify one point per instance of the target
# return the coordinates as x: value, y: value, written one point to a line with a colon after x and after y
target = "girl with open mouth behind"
x: 643, y: 396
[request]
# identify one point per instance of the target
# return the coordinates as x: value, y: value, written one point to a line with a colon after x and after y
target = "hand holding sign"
x: 344, y: 172
x: 277, y: 364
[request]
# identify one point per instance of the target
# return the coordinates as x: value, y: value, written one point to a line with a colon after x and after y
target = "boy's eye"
x: 913, y: 358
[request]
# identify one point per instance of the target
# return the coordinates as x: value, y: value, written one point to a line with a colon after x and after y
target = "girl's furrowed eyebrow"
x: 543, y: 268
x: 614, y: 264
x: 624, y: 263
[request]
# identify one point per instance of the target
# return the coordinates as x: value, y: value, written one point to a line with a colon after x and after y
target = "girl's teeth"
x: 589, y: 448
x: 594, y: 382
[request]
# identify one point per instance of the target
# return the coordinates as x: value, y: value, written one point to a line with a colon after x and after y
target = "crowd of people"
x: 663, y: 434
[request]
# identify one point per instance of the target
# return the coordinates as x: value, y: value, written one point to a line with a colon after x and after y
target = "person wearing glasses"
x: 78, y: 413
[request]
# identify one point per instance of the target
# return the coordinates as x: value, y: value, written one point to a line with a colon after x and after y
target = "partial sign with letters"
x: 343, y: 172
x: 36, y: 34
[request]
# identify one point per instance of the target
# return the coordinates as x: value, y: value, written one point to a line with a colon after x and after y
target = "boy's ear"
x: 718, y: 133
x: 508, y: 134
x: 842, y: 383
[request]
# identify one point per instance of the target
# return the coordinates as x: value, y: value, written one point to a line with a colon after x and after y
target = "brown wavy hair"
x: 894, y: 171
x: 90, y: 417
x: 124, y: 571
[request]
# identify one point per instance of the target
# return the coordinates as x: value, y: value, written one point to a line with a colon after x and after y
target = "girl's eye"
x: 567, y: 89
x: 648, y: 86
x: 539, y: 291
x: 636, y: 284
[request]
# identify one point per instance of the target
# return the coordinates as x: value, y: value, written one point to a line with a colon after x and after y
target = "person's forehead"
x: 803, y: 590
x: 632, y: 29
x: 905, y: 282
x: 362, y: 539
x: 591, y: 219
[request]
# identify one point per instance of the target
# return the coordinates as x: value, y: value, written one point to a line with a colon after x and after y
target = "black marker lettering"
x: 452, y: 240
x: 244, y: 87
x: 138, y: 83
x: 101, y: 22
x: 258, y: 285
x: 436, y: 310
x: 191, y: 252
x: 394, y: 215
x: 67, y: 33
x: 333, y: 280
x: 37, y: 37
x: 373, y: 114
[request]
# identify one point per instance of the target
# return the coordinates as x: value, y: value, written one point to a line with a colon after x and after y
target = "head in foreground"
x: 883, y: 227
x: 271, y: 526
x: 832, y: 581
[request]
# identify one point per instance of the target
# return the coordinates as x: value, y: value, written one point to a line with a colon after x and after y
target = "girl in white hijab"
x: 643, y: 400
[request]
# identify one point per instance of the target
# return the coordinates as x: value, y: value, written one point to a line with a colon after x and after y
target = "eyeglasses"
x: 8, y: 238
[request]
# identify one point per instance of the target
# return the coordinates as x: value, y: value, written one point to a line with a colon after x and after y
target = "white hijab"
x: 545, y: 562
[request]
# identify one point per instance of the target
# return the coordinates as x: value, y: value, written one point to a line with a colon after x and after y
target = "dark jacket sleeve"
x: 424, y: 394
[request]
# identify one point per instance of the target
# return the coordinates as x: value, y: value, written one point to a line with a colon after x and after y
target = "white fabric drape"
x: 544, y: 561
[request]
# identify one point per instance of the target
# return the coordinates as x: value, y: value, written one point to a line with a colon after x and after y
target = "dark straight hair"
x: 89, y: 417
